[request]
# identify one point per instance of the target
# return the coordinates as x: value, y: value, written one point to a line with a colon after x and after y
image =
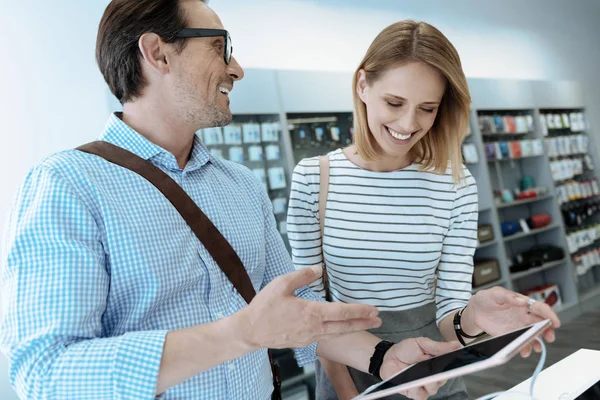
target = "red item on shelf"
x: 527, y: 194
x: 515, y: 149
x: 549, y: 294
x: 539, y: 221
x: 510, y: 123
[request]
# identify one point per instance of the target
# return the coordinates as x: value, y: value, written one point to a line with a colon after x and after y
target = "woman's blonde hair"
x: 405, y: 42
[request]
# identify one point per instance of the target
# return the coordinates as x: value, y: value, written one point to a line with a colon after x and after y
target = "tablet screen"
x: 446, y: 362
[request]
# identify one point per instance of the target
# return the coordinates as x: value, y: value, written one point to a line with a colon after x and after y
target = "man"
x: 107, y: 292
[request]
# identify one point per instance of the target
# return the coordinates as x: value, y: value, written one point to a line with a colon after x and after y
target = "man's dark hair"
x: 122, y: 24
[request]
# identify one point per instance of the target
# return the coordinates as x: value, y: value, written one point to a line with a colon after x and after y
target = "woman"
x: 400, y: 228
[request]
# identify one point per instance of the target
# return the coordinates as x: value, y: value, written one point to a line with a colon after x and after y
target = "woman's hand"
x: 499, y: 310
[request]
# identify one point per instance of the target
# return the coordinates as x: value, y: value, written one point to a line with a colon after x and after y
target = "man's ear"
x: 153, y: 49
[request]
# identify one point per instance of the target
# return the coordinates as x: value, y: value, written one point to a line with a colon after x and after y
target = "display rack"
x: 254, y: 140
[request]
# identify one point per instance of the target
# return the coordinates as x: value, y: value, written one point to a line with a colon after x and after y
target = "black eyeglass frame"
x: 187, y: 33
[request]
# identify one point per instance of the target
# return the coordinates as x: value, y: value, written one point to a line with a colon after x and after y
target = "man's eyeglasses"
x: 201, y: 32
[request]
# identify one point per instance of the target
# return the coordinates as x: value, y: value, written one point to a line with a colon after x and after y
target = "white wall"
x: 51, y: 93
x: 52, y: 96
x: 512, y: 39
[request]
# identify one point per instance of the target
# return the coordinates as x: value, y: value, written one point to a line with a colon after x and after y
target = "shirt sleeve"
x: 55, y: 286
x: 278, y: 263
x: 303, y: 226
x: 455, y: 270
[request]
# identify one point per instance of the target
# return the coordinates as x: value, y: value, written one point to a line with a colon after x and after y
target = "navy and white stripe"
x: 395, y: 240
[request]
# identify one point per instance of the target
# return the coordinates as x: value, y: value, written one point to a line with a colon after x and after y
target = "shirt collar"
x: 120, y: 134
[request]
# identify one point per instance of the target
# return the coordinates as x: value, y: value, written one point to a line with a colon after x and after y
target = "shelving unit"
x: 530, y: 233
x: 492, y: 98
x: 568, y: 102
x: 487, y: 244
x: 311, y: 100
x: 527, y: 201
x: 541, y: 268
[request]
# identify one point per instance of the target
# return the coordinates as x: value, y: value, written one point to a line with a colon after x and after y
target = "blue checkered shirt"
x: 100, y: 266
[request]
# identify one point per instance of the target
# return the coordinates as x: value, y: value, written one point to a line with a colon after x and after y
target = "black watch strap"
x: 460, y: 334
x: 377, y: 357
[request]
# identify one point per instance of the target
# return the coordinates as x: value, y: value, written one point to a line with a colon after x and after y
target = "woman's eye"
x: 393, y: 104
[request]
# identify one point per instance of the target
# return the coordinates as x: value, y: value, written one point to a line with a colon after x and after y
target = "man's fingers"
x: 349, y: 326
x: 344, y: 312
x: 302, y: 277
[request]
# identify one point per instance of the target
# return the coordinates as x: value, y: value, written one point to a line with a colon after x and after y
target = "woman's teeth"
x: 398, y: 135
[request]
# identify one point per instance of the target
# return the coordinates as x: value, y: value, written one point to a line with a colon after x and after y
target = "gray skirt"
x: 397, y: 326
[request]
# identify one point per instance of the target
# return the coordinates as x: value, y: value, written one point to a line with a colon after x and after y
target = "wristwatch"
x: 377, y: 357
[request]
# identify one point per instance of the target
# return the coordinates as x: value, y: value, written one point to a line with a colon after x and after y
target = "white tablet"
x: 476, y: 357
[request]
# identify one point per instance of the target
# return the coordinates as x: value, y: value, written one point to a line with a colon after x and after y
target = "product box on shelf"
x: 485, y: 233
x: 469, y: 152
x: 549, y: 294
x: 485, y: 271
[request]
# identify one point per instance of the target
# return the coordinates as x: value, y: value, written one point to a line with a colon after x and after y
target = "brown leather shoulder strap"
x: 208, y: 234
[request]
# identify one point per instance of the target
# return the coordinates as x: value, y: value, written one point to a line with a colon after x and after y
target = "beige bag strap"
x: 323, y: 191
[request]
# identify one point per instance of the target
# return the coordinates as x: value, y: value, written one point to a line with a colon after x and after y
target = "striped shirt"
x: 100, y: 266
x: 395, y: 240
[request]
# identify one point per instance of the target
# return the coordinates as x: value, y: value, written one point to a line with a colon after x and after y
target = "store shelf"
x: 559, y: 157
x: 486, y: 244
x: 585, y: 226
x: 499, y: 282
x: 526, y: 201
x: 576, y: 178
x: 513, y: 159
x: 504, y: 134
x: 582, y: 201
x: 583, y: 249
x: 590, y: 294
x: 553, y: 132
x: 531, y: 233
x: 520, y: 275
